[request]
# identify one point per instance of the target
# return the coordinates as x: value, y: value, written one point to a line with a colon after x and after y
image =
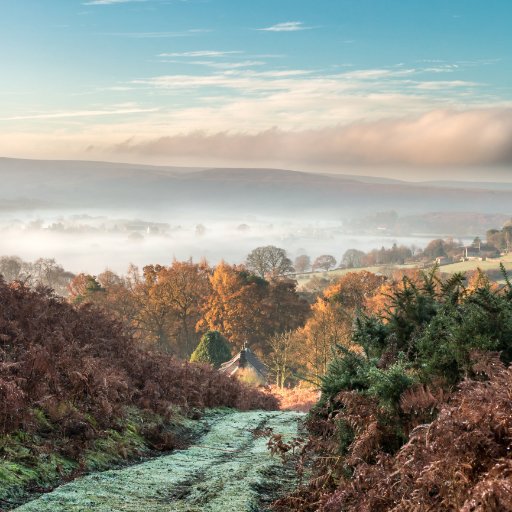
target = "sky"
x: 319, y: 85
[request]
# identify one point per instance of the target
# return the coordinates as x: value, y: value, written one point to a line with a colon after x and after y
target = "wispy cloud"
x: 287, y: 26
x: 159, y: 35
x: 80, y: 113
x: 111, y: 2
x: 219, y: 64
x: 201, y: 53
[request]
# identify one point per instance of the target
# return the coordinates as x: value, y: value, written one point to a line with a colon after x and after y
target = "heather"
x: 77, y: 392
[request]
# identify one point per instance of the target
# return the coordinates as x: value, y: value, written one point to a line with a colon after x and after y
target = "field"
x: 461, y: 266
x: 490, y: 264
x: 302, y: 279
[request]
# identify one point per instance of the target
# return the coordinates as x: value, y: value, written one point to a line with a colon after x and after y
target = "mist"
x: 94, y: 250
x: 91, y: 215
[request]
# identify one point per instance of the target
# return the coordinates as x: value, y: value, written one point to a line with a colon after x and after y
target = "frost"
x: 224, y: 471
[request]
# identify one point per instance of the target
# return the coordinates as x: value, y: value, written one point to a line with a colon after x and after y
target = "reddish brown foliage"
x: 296, y: 399
x: 458, y: 462
x: 74, y: 364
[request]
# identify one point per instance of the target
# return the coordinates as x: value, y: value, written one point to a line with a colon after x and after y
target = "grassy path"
x: 228, y: 469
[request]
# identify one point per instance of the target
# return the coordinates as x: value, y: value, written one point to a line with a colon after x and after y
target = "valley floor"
x: 227, y: 469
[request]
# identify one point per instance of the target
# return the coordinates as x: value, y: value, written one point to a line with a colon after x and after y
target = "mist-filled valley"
x: 90, y: 215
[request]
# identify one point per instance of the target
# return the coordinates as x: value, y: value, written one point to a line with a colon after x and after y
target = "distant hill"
x: 80, y: 184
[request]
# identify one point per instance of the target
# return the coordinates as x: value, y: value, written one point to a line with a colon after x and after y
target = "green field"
x: 468, y: 266
x: 302, y: 279
x: 461, y: 266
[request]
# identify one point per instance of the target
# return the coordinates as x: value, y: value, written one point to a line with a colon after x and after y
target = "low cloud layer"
x: 438, y: 138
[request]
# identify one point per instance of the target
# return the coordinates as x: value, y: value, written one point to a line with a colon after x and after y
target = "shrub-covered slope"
x: 76, y: 391
x: 416, y: 414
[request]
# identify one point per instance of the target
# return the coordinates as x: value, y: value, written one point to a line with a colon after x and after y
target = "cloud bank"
x: 437, y: 138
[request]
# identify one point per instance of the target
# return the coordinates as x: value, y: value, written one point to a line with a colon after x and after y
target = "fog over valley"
x: 92, y: 215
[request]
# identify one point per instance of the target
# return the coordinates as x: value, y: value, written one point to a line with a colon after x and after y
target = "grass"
x: 228, y: 469
x: 460, y: 266
x: 468, y: 266
x: 30, y: 462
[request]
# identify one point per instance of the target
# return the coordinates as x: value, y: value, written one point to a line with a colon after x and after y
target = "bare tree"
x: 269, y: 261
x: 324, y: 262
x: 281, y: 360
x: 11, y: 268
x: 353, y: 258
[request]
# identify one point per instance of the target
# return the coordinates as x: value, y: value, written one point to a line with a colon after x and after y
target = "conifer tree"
x: 213, y: 348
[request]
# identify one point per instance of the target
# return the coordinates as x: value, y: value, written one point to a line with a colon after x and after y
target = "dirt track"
x: 227, y: 470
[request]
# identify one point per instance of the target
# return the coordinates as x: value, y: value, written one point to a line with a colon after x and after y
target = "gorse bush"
x: 461, y: 461
x: 402, y: 370
x: 425, y: 335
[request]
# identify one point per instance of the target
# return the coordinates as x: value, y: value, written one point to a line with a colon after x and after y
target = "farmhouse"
x: 247, y: 364
x: 479, y: 252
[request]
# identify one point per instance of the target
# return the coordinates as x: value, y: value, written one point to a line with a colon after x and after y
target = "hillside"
x: 79, y: 184
x: 78, y: 393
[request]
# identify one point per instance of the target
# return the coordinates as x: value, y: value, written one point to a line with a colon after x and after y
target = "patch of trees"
x: 501, y: 238
x: 396, y: 255
x: 171, y: 307
x: 44, y: 272
x: 306, y: 352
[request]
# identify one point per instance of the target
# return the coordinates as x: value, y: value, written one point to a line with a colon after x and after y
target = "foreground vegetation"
x: 415, y: 410
x: 412, y: 368
x: 77, y: 392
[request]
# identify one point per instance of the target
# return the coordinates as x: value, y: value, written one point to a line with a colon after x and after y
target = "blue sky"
x: 291, y: 82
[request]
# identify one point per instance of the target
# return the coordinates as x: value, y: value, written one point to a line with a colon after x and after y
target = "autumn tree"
x: 328, y: 326
x: 234, y: 305
x: 246, y: 308
x: 284, y: 310
x: 354, y: 289
x: 119, y: 297
x: 332, y: 318
x: 269, y: 261
x: 169, y: 301
x: 324, y: 262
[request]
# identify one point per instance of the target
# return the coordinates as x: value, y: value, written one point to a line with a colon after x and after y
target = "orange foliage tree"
x: 332, y: 318
x: 247, y: 308
x: 170, y: 300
